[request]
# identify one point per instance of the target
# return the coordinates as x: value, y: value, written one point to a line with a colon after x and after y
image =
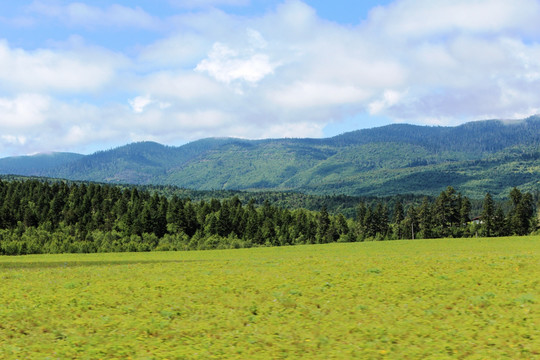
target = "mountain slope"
x: 475, y: 158
x: 473, y: 137
x: 33, y: 165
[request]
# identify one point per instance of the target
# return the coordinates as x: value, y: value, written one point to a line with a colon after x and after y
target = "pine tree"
x: 381, y: 220
x: 523, y: 215
x: 499, y: 222
x: 425, y: 219
x: 411, y: 223
x: 465, y: 211
x: 224, y: 220
x: 341, y: 225
x: 488, y: 212
x: 323, y: 226
x: 360, y: 220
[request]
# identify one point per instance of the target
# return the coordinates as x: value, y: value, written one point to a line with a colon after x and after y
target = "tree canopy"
x: 42, y: 217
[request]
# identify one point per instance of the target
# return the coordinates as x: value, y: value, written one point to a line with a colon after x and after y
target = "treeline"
x: 40, y: 217
x: 473, y: 137
x: 449, y: 216
x: 334, y: 204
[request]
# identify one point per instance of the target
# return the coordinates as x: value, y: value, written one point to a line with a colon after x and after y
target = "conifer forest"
x: 41, y: 217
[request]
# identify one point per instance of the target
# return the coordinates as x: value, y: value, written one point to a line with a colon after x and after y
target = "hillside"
x: 475, y: 158
x: 35, y: 164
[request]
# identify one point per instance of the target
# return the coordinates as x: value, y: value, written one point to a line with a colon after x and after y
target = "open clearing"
x: 449, y: 298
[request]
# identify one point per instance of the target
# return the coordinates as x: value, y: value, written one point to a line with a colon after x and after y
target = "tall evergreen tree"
x: 411, y: 223
x: 341, y: 225
x: 381, y: 220
x: 522, y: 215
x: 465, y: 211
x: 399, y: 215
x: 499, y: 222
x: 488, y: 212
x: 323, y: 226
x: 425, y: 219
x: 360, y: 220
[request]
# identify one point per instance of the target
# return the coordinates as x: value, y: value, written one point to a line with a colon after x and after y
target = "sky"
x: 92, y: 75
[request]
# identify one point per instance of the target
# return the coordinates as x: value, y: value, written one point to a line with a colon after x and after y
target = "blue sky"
x: 90, y: 75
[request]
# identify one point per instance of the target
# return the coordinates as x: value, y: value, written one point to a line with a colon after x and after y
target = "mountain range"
x: 475, y: 158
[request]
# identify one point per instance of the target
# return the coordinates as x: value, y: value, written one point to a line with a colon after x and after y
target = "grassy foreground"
x: 437, y: 299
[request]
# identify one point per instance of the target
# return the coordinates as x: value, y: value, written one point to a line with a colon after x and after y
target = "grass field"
x: 433, y: 299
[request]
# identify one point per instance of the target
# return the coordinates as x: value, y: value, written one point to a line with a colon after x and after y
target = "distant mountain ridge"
x: 475, y: 158
x: 32, y: 164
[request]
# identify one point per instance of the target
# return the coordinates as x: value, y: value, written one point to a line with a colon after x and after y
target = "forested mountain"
x: 30, y: 165
x: 475, y: 158
x: 473, y: 138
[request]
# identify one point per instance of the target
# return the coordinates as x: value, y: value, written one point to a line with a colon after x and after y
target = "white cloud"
x: 182, y: 88
x: 464, y: 60
x: 49, y: 70
x: 75, y: 135
x: 139, y: 103
x: 294, y: 130
x: 14, y: 140
x: 418, y: 19
x: 303, y: 95
x: 256, y: 40
x: 297, y: 17
x: 284, y: 73
x: 389, y: 98
x: 23, y: 111
x: 227, y: 65
x: 177, y: 51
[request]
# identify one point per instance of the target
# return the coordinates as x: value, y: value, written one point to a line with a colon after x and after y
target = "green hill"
x: 474, y: 158
x: 35, y: 164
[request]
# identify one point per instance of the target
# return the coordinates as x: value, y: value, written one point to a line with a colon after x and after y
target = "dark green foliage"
x: 425, y: 220
x: 500, y: 227
x: 398, y: 213
x: 42, y: 217
x: 488, y: 216
x: 448, y: 216
x: 37, y: 216
x: 465, y: 211
x: 522, y: 212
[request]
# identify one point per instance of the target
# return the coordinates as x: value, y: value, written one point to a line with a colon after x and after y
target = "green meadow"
x: 436, y: 299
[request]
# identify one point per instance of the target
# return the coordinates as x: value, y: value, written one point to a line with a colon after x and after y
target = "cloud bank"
x: 205, y: 72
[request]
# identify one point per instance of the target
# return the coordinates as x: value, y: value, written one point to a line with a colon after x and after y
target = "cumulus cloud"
x: 14, y: 140
x: 389, y: 98
x: 286, y: 72
x: 420, y: 19
x: 227, y: 65
x: 50, y: 70
x: 38, y: 123
x: 181, y: 88
x: 250, y: 64
x: 177, y: 51
x: 464, y: 60
x: 303, y: 95
x: 22, y: 112
x: 139, y: 103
